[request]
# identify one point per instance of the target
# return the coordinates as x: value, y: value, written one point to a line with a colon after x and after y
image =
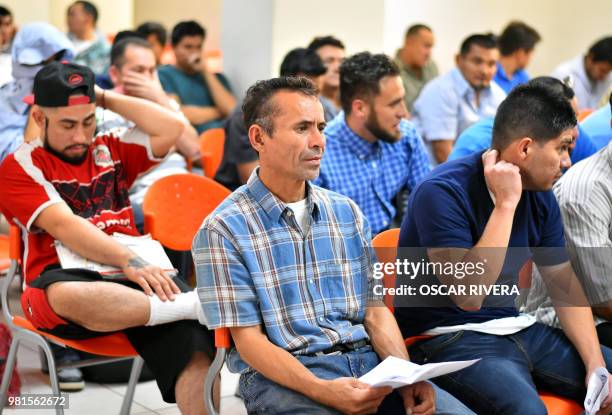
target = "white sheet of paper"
x: 148, y: 249
x: 597, y: 391
x: 396, y: 372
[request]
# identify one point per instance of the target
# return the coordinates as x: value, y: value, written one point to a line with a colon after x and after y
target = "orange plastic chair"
x: 111, y: 347
x: 385, y: 246
x: 212, y: 143
x: 582, y: 114
x: 555, y: 405
x: 175, y: 206
x: 5, y: 260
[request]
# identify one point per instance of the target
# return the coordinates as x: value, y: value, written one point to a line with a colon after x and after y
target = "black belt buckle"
x: 343, y: 348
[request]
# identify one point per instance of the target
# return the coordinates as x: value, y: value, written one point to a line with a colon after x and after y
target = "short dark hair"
x: 532, y: 110
x: 186, y: 28
x: 302, y: 61
x: 5, y: 12
x: 320, y: 41
x: 516, y: 36
x: 88, y: 8
x: 486, y: 40
x: 153, y: 28
x: 360, y: 75
x: 258, y: 106
x: 117, y: 54
x: 124, y: 34
x: 555, y: 85
x: 601, y: 51
x: 416, y: 28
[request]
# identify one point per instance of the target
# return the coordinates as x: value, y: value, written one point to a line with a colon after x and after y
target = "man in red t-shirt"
x: 71, y: 186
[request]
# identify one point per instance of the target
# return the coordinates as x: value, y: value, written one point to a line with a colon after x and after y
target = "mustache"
x: 312, y: 154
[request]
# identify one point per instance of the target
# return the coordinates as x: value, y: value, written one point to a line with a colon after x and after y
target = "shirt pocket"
x: 343, y: 288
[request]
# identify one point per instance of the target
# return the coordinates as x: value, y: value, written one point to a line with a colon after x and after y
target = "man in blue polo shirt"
x: 599, y: 125
x: 478, y: 137
x: 372, y: 152
x: 516, y: 44
x: 481, y: 218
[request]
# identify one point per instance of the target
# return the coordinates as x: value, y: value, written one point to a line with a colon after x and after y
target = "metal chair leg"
x: 8, y: 372
x: 126, y: 406
x: 52, y: 373
x: 209, y: 381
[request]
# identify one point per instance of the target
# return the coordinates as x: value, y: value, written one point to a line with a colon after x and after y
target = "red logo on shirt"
x: 75, y: 79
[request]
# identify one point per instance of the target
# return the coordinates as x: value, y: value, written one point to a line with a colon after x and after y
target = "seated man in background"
x: 492, y: 212
x: 7, y: 34
x: 90, y: 44
x: 585, y: 201
x: 287, y: 267
x: 415, y: 63
x: 71, y: 187
x: 516, y: 45
x: 477, y: 137
x: 133, y: 72
x: 35, y: 45
x: 205, y: 97
x: 373, y: 152
x: 331, y: 51
x: 239, y: 157
x: 591, y: 73
x: 597, y: 125
x: 454, y: 101
x: 156, y: 35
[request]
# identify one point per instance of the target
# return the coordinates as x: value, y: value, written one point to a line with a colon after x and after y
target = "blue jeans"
x: 512, y: 368
x: 262, y: 396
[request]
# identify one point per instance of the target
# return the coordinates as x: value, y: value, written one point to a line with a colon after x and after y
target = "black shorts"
x: 166, y: 348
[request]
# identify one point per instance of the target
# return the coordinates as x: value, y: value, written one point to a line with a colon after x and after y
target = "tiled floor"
x: 105, y: 399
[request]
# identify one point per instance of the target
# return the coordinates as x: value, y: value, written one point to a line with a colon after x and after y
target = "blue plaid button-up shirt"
x: 254, y: 265
x: 372, y: 174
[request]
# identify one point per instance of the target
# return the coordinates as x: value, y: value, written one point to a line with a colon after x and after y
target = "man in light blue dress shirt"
x: 373, y: 153
x: 454, y: 101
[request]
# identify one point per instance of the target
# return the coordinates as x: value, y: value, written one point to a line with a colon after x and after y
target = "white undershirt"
x: 300, y: 210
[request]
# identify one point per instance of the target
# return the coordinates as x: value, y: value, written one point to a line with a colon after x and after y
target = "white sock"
x: 186, y: 306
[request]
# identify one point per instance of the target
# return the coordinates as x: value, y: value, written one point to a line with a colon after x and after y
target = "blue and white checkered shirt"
x: 254, y: 265
x: 372, y: 174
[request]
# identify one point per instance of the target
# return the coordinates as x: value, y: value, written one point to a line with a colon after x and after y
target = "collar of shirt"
x: 501, y: 73
x: 465, y: 90
x: 355, y: 143
x: 272, y: 205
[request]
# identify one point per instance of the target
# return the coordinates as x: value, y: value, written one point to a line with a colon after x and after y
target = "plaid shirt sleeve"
x: 418, y: 166
x: 225, y: 286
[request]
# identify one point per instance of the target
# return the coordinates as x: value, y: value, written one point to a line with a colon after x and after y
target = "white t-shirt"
x: 300, y: 210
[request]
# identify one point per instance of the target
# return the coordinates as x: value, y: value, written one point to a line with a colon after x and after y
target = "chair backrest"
x: 175, y: 206
x: 385, y: 246
x: 15, y: 250
x: 212, y: 143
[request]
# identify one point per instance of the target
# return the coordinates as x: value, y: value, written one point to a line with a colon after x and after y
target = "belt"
x: 342, y: 348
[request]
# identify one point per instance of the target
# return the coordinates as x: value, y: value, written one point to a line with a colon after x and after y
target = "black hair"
x: 486, y: 40
x: 88, y: 8
x: 186, y: 28
x: 320, y: 41
x: 117, y: 54
x: 153, y: 28
x: 5, y: 12
x: 416, y: 28
x: 302, y: 61
x: 601, y: 51
x: 554, y: 84
x: 360, y: 75
x: 259, y: 107
x: 516, y: 36
x: 123, y: 34
x: 532, y: 110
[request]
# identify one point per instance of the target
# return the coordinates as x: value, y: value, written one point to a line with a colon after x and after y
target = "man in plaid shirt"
x: 287, y: 267
x: 373, y: 152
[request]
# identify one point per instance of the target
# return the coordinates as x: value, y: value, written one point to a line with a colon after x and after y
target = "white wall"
x: 567, y: 27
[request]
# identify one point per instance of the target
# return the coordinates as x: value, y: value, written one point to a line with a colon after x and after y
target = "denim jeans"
x: 512, y: 368
x: 262, y: 396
